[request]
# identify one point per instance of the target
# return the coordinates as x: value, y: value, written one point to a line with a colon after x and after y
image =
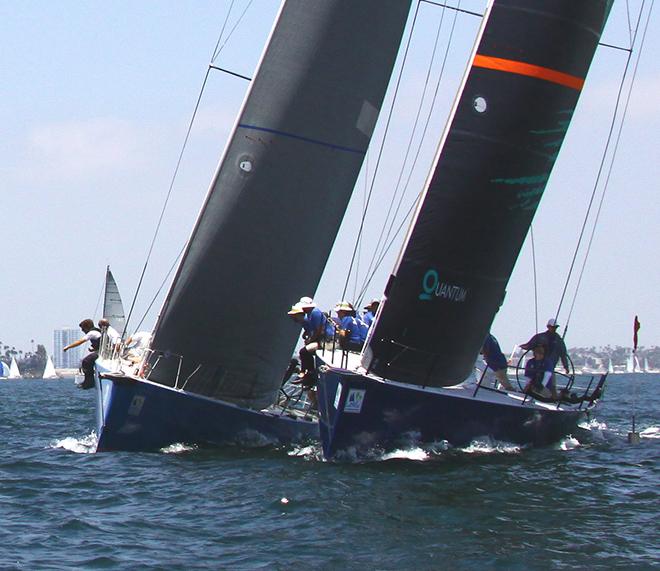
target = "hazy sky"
x: 96, y: 98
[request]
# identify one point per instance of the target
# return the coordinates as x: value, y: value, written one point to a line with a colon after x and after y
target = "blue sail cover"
x: 501, y: 143
x: 278, y: 198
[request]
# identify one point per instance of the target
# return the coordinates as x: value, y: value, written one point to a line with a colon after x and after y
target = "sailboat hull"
x: 134, y: 414
x: 359, y: 415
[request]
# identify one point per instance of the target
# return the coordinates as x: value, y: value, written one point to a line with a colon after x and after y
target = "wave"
x: 568, y: 443
x: 83, y: 445
x: 178, y: 448
x: 414, y: 452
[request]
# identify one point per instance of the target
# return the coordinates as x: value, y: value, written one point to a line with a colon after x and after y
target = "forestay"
x: 501, y: 143
x: 278, y: 198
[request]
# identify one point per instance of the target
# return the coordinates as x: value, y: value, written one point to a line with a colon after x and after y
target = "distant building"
x: 71, y: 359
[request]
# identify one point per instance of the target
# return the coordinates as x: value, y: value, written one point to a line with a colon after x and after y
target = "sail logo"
x: 433, y: 287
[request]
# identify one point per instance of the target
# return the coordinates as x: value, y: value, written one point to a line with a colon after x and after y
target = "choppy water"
x: 590, y: 502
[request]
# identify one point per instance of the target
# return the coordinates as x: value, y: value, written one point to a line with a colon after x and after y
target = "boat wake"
x: 595, y: 428
x: 84, y: 445
x: 651, y: 432
x: 568, y: 443
x: 413, y: 452
x: 178, y: 448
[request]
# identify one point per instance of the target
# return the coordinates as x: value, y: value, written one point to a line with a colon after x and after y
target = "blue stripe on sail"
x: 301, y: 138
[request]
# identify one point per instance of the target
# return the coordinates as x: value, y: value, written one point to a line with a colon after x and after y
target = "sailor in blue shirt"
x: 496, y: 360
x: 370, y: 314
x: 350, y: 334
x: 555, y: 349
x: 538, y: 371
x: 314, y: 322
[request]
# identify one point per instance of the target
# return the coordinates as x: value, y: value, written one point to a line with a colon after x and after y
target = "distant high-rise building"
x: 71, y: 359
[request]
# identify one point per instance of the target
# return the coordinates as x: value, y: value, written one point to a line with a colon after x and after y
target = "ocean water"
x: 589, y: 502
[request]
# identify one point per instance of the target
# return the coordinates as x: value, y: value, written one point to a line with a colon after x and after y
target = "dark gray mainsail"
x: 113, y: 309
x: 505, y: 133
x: 274, y: 207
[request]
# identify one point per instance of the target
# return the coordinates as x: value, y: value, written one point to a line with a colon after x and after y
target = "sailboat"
x: 213, y: 371
x: 632, y: 363
x: 14, y: 373
x: 49, y: 370
x: 494, y: 160
x: 4, y: 370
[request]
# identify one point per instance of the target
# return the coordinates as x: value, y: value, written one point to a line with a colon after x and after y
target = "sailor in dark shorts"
x: 93, y: 335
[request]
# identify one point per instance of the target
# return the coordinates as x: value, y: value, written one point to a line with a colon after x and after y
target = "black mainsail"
x: 508, y: 124
x: 278, y: 198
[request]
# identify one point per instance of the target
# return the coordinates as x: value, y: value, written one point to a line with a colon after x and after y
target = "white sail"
x: 49, y: 371
x: 14, y: 373
x: 113, y: 308
x: 4, y: 370
x: 610, y: 368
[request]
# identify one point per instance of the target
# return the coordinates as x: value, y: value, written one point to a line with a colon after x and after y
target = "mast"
x: 498, y: 150
x: 274, y: 207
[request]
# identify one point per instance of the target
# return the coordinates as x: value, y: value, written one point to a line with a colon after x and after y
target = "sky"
x: 96, y: 98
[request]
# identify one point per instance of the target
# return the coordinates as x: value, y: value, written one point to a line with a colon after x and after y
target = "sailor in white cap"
x: 351, y: 335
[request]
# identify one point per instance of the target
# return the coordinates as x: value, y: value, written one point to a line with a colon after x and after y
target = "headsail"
x: 278, y: 198
x: 14, y: 372
x: 49, y: 370
x: 113, y: 309
x: 501, y: 143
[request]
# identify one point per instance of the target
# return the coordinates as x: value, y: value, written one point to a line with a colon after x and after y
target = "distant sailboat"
x: 14, y: 373
x: 632, y: 364
x: 298, y: 146
x: 113, y: 308
x: 49, y: 370
x: 610, y: 368
x: 4, y: 370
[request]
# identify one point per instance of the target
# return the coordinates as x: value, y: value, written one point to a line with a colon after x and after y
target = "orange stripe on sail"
x: 530, y: 70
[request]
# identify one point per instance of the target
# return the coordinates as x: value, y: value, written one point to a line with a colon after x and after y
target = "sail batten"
x: 273, y: 210
x: 491, y: 170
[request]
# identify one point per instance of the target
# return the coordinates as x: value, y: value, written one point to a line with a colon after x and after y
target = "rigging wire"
x: 162, y: 285
x: 409, y: 212
x: 178, y: 165
x: 536, y: 290
x: 364, y: 205
x: 600, y: 169
x: 611, y: 164
x: 380, y: 152
x: 98, y: 301
x: 217, y: 50
x: 428, y: 118
x: 397, y: 186
x: 385, y: 246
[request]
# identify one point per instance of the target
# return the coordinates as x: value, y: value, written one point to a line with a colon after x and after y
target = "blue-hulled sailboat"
x: 523, y: 82
x: 213, y: 370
